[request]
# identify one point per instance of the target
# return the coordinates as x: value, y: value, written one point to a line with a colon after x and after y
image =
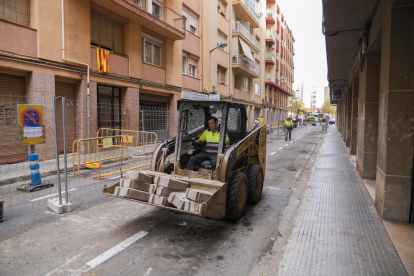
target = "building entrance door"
x: 109, y: 107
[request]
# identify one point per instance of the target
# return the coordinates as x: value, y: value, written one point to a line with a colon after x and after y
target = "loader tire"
x: 255, y: 179
x: 236, y: 200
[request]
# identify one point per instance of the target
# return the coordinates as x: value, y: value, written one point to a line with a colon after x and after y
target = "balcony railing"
x: 270, y: 78
x: 239, y: 28
x: 163, y: 13
x: 270, y: 14
x: 246, y: 63
x: 269, y: 56
x: 249, y: 6
x: 271, y: 36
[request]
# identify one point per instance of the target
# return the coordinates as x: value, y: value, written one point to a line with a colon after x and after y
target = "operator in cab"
x: 212, y: 137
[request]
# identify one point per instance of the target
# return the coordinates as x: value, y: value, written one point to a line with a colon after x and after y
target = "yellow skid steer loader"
x: 238, y: 176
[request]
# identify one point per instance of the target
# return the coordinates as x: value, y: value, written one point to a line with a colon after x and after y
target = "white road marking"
x: 39, y: 198
x: 114, y: 177
x: 148, y: 271
x: 65, y: 264
x: 280, y: 148
x: 115, y: 250
x: 290, y: 142
x: 272, y: 153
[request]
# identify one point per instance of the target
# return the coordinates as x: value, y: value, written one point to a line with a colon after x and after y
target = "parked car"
x: 332, y: 121
x: 312, y: 119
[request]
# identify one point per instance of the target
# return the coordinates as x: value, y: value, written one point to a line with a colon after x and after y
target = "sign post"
x: 32, y: 132
x: 323, y: 124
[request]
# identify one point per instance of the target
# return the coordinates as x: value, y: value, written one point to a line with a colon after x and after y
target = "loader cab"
x: 192, y: 122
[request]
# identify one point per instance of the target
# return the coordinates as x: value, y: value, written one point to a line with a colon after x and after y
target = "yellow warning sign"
x: 107, y: 143
x: 127, y: 139
x: 31, y: 124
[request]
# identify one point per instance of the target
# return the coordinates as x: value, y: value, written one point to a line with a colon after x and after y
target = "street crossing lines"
x: 272, y: 153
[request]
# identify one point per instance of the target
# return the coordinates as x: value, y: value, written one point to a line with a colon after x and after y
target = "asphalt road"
x: 138, y: 239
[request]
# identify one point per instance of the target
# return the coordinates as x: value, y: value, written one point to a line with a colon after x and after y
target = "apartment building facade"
x: 256, y: 65
x: 160, y: 51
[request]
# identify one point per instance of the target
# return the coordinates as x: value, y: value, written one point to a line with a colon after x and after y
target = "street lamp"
x: 221, y: 45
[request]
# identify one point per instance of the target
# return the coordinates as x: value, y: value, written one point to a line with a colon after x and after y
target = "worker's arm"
x: 227, y: 139
x: 202, y: 137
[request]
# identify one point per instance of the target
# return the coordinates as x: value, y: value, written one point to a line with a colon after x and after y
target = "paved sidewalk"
x: 339, y: 231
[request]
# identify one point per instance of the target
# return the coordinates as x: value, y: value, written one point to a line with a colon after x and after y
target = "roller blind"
x: 16, y: 11
x: 192, y: 61
x: 185, y: 14
x: 107, y: 33
x: 194, y: 20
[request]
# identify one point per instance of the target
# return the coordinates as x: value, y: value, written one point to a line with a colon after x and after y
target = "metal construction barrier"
x: 107, y: 148
x: 132, y: 138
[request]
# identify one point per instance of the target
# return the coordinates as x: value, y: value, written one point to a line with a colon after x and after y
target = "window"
x: 151, y: 52
x: 221, y: 38
x: 185, y: 16
x: 16, y: 11
x: 221, y: 75
x: 236, y: 81
x: 222, y: 7
x: 184, y: 22
x: 185, y: 56
x: 106, y: 33
x: 156, y: 10
x: 192, y: 68
x: 246, y: 84
x: 257, y: 89
x: 193, y: 23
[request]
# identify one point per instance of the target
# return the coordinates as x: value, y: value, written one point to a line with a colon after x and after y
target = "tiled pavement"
x: 339, y: 231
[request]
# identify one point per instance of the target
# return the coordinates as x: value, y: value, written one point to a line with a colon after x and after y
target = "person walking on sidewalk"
x: 288, y: 128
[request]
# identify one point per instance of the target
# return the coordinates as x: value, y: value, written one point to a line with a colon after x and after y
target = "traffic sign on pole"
x: 31, y: 124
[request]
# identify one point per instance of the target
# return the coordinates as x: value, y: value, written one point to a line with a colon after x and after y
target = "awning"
x: 246, y: 49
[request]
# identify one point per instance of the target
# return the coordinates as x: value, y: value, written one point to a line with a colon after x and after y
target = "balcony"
x: 241, y: 64
x: 271, y: 2
x: 270, y: 58
x: 18, y: 39
x: 270, y: 38
x: 270, y: 18
x: 244, y: 8
x: 158, y: 16
x: 118, y: 64
x: 239, y: 29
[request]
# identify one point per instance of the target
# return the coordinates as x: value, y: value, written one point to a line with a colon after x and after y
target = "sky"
x: 304, y: 18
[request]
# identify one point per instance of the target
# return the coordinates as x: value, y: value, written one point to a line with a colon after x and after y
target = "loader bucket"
x: 214, y: 207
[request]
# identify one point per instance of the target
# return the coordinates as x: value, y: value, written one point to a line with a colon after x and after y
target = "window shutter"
x: 106, y: 32
x: 118, y: 38
x: 23, y: 12
x: 192, y: 61
x: 185, y: 14
x: 16, y: 11
x: 94, y: 28
x: 194, y: 20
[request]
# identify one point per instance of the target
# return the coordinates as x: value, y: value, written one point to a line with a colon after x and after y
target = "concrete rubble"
x: 162, y: 191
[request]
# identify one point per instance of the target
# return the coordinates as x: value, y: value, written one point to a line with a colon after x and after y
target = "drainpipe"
x: 76, y: 62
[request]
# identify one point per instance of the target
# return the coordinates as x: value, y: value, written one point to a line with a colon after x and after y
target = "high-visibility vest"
x: 288, y: 123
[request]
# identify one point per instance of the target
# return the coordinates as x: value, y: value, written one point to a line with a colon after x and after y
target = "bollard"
x: 34, y: 167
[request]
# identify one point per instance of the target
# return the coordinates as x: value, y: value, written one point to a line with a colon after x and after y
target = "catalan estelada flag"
x: 102, y: 59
